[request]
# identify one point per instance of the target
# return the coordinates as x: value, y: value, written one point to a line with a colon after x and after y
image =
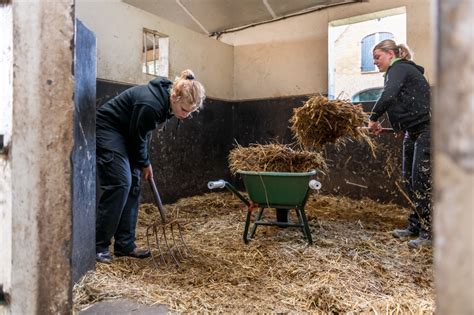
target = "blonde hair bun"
x: 190, y: 90
x: 187, y: 74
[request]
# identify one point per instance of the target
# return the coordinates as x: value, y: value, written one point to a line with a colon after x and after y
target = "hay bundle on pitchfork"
x: 320, y: 121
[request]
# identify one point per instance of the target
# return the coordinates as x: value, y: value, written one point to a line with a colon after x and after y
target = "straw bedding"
x: 354, y: 265
x: 274, y: 158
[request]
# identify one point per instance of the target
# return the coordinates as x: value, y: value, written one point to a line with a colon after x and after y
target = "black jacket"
x: 405, y: 98
x: 125, y: 122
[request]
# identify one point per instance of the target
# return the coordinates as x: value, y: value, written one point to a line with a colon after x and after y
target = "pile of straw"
x: 274, y: 158
x: 320, y: 121
x: 354, y: 266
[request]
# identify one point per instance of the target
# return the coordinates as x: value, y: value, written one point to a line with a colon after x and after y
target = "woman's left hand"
x: 147, y: 172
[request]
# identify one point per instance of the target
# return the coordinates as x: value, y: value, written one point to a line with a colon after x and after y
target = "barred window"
x: 155, y: 53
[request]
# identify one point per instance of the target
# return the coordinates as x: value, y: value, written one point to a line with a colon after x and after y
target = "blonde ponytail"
x: 404, y: 52
x: 400, y: 51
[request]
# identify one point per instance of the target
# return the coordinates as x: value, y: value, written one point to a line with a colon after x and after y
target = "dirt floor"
x: 354, y: 265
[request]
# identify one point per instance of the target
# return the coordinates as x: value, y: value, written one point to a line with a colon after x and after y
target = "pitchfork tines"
x: 167, y: 235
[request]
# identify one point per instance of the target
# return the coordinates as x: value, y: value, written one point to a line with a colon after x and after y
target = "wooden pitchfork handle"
x: 156, y: 196
x: 384, y: 130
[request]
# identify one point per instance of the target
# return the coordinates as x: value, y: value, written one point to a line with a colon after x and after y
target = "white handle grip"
x: 216, y: 184
x: 314, y: 184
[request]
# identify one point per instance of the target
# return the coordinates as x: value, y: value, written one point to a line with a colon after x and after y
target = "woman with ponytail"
x: 123, y: 127
x: 406, y: 100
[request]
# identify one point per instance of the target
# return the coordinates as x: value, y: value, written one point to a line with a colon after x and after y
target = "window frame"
x: 378, y: 37
x: 163, y: 53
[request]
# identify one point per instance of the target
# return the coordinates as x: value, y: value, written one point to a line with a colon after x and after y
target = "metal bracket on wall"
x: 3, y: 147
x: 4, y: 296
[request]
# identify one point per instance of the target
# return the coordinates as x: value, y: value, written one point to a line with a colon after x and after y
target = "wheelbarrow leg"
x: 306, y: 229
x: 254, y: 229
x: 247, y: 223
x: 300, y: 219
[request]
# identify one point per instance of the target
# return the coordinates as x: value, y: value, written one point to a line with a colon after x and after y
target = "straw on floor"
x: 355, y: 265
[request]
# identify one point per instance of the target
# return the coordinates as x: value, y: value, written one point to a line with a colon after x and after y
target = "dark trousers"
x: 417, y: 177
x: 118, y: 205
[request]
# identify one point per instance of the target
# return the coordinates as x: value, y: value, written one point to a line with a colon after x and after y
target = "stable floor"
x: 354, y: 265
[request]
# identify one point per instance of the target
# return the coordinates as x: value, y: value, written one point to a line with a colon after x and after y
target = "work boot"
x: 104, y: 257
x: 135, y: 253
x: 423, y: 240
x: 402, y: 233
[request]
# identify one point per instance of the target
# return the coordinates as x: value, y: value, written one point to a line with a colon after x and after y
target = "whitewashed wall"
x: 290, y: 56
x: 118, y: 28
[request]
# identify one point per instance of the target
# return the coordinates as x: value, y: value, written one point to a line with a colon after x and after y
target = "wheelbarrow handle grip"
x: 156, y: 196
x: 222, y: 183
x: 216, y: 184
x: 314, y: 184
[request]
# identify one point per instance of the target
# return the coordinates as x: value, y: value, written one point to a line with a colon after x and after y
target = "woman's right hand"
x: 147, y: 172
x: 375, y: 127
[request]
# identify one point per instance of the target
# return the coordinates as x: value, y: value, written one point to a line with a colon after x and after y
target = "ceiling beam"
x: 269, y: 8
x: 192, y: 17
x: 331, y: 3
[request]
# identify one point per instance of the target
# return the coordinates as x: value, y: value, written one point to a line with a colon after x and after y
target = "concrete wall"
x: 42, y: 139
x: 290, y: 56
x: 6, y: 97
x: 119, y: 26
x: 454, y: 160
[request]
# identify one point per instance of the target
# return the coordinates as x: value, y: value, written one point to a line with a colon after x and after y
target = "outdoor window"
x: 369, y: 95
x: 367, y: 43
x: 155, y: 53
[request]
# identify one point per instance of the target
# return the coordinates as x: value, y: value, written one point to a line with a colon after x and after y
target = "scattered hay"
x: 274, y: 158
x: 354, y: 266
x: 320, y: 121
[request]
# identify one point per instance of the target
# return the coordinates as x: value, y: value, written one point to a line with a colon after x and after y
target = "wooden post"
x: 42, y: 142
x: 453, y: 130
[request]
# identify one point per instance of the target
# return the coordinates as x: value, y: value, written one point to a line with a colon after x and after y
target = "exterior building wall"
x: 349, y: 79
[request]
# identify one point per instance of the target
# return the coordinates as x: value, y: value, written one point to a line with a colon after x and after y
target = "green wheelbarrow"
x: 273, y: 190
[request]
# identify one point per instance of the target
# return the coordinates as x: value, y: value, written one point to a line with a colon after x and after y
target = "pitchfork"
x: 170, y: 238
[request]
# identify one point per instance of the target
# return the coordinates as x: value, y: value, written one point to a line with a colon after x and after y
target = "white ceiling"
x: 212, y: 17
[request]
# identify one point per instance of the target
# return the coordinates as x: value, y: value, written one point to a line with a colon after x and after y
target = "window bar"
x: 145, y: 52
x: 154, y: 54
